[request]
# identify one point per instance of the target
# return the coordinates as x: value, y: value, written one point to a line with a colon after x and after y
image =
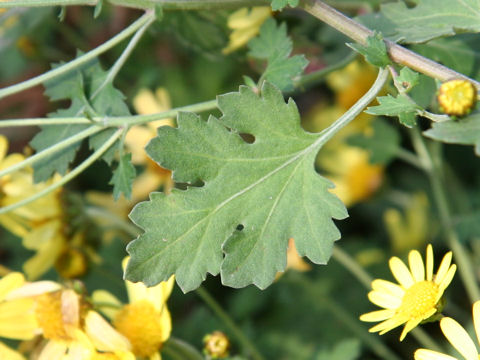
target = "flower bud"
x: 457, y: 97
x: 216, y: 345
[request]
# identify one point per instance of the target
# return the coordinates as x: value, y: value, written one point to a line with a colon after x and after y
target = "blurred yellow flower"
x: 347, y: 166
x: 216, y: 345
x: 458, y: 337
x: 457, y: 97
x: 7, y: 353
x: 145, y: 321
x: 416, y: 297
x: 245, y: 24
x: 411, y: 229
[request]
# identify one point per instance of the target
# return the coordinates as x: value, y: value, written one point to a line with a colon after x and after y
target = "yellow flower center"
x: 48, y: 311
x: 419, y: 299
x: 457, y: 97
x: 104, y: 356
x: 140, y: 322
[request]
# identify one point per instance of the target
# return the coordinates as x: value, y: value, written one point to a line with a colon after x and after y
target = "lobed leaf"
x: 280, y: 4
x: 401, y: 106
x: 123, y: 177
x: 375, y: 52
x: 255, y: 196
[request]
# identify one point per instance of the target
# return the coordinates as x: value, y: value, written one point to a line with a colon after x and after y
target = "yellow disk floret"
x: 457, y: 97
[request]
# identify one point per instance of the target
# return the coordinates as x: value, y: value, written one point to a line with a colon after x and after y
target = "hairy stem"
x: 49, y: 75
x: 223, y: 315
x: 72, y: 174
x: 397, y: 53
x: 435, y: 175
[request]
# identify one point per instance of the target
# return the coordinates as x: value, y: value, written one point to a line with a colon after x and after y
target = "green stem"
x: 365, y: 279
x: 397, y: 53
x: 51, y: 150
x: 105, y: 122
x: 181, y: 350
x: 112, y: 73
x: 79, y: 169
x: 145, y: 4
x: 435, y: 175
x: 223, y: 315
x: 356, y: 109
x: 409, y: 158
x: 314, y: 77
x: 49, y: 75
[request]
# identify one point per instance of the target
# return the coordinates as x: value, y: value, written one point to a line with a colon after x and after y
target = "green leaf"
x: 123, y: 177
x: 79, y: 86
x: 465, y: 131
x: 407, y: 79
x: 280, y: 4
x: 382, y: 142
x: 400, y: 106
x: 432, y: 18
x: 255, y: 196
x: 375, y: 52
x: 275, y: 46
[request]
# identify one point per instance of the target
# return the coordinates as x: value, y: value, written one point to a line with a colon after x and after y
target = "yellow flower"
x: 354, y: 177
x: 216, y: 345
x: 457, y: 97
x: 7, y: 353
x: 458, y: 337
x: 417, y: 296
x: 145, y: 321
x: 245, y: 24
x: 410, y: 230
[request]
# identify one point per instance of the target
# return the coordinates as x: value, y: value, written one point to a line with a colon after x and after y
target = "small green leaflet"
x: 123, y: 177
x: 275, y: 46
x: 375, y: 52
x: 78, y: 86
x: 280, y: 4
x: 382, y: 143
x: 465, y: 131
x: 255, y: 196
x: 400, y: 106
x: 432, y: 18
x: 407, y: 79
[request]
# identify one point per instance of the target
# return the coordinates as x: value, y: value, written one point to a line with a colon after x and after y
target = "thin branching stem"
x: 72, y: 174
x: 60, y: 70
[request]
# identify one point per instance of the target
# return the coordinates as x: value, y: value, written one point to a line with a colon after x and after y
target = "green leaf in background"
x: 375, y: 52
x: 123, y: 177
x: 280, y: 4
x: 400, y: 106
x: 80, y: 86
x: 430, y: 19
x: 407, y: 79
x: 382, y: 142
x: 256, y: 196
x: 275, y: 46
x: 349, y: 349
x: 465, y: 131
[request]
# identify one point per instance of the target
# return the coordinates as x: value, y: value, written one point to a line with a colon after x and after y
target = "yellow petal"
x: 429, y: 265
x: 33, y: 289
x: 443, y: 269
x: 446, y: 280
x: 103, y: 335
x: 108, y: 304
x: 44, y: 259
x: 476, y: 319
x: 3, y: 147
x: 411, y: 324
x: 416, y: 266
x: 385, y: 300
x: 70, y: 308
x: 401, y: 272
x: 424, y: 354
x: 17, y: 319
x: 53, y: 351
x: 388, y: 325
x: 9, y: 354
x: 155, y: 356
x: 166, y: 324
x: 459, y: 338
x: 378, y: 315
x: 388, y: 287
x: 145, y: 103
x: 10, y: 282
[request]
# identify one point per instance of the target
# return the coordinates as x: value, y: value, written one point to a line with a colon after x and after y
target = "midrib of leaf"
x: 323, y: 137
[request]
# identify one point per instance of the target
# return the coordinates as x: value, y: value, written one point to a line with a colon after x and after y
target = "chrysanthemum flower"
x: 457, y: 97
x: 415, y: 298
x: 145, y: 321
x: 245, y: 24
x: 458, y: 337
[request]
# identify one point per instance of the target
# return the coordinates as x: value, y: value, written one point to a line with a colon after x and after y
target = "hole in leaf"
x: 240, y: 227
x: 248, y: 138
